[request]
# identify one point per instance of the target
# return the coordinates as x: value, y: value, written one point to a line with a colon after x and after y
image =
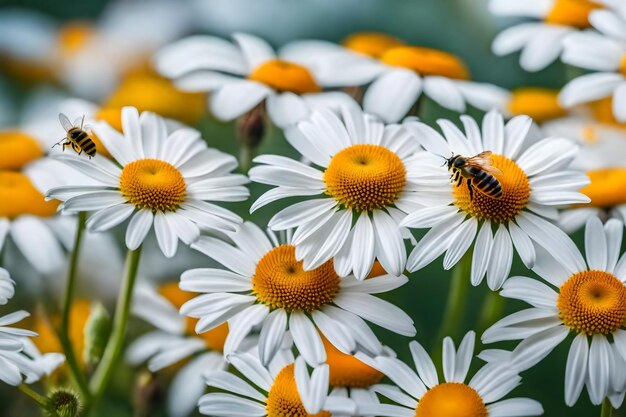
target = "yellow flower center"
x: 451, y: 399
x: 365, y: 177
x: 348, y: 371
x: 515, y: 194
x: 592, y: 302
x: 74, y: 36
x: 285, y: 76
x: 17, y: 149
x: 622, y: 65
x: 541, y: 104
x: 426, y: 61
x: 372, y: 44
x: 279, y: 281
x: 150, y: 92
x: 19, y: 196
x: 214, y: 338
x: 283, y: 400
x: 571, y: 12
x: 153, y: 184
x: 607, y: 187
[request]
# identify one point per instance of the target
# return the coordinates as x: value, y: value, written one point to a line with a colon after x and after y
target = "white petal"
x: 307, y: 339
x: 377, y: 311
x: 138, y: 228
x: 390, y: 249
x: 286, y: 109
x: 599, y: 368
x: 445, y: 92
x: 515, y: 407
x: 391, y: 95
x: 272, y: 335
x: 233, y: 100
x: 424, y: 365
x: 576, y: 369
x: 501, y: 259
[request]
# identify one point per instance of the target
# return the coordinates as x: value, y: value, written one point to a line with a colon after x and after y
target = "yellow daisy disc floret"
x: 153, y: 184
x: 17, y: 149
x: 540, y: 104
x: 371, y: 43
x: 451, y: 399
x: 592, y: 302
x: 285, y: 76
x: 365, y: 177
x: 571, y: 12
x: 283, y: 400
x: 280, y: 281
x: 515, y: 194
x: 426, y: 61
x: 19, y: 196
x: 348, y: 371
x: 607, y: 188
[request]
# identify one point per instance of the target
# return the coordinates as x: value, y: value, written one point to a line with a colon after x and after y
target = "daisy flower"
x: 266, y: 286
x: 366, y: 175
x: 422, y: 393
x: 175, y: 341
x: 534, y: 180
x: 541, y: 40
x: 244, y: 74
x: 165, y: 180
x: 604, y: 52
x: 399, y: 74
x: 587, y: 299
x: 282, y: 388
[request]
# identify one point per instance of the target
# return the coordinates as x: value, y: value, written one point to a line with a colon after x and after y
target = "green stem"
x: 246, y: 153
x: 607, y: 409
x: 492, y: 310
x: 63, y: 332
x: 35, y: 396
x: 115, y: 344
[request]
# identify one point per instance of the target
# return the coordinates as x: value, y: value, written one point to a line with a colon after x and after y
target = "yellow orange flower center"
x: 285, y: 76
x: 426, y: 61
x: 607, y: 187
x: 515, y: 194
x: 348, y: 371
x: 153, y: 184
x: 365, y: 177
x: 571, y: 12
x: 602, y: 110
x: 281, y: 282
x: 622, y: 66
x: 214, y: 338
x: 17, y: 149
x: 592, y: 302
x: 283, y: 400
x: 541, y: 104
x: 371, y: 43
x: 73, y: 36
x: 451, y: 399
x: 19, y: 196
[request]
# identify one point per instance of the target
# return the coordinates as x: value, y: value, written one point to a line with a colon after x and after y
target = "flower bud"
x: 64, y: 403
x: 97, y: 331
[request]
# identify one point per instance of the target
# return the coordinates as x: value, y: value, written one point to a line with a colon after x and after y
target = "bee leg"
x: 459, y: 180
x: 65, y: 145
x: 470, y: 189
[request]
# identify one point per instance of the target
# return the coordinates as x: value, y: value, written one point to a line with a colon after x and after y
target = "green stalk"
x: 63, y: 332
x: 115, y: 344
x: 35, y: 396
x: 246, y: 153
x: 493, y: 307
x: 607, y: 409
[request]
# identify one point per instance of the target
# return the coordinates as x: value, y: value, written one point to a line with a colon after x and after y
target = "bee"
x: 76, y: 137
x: 478, y: 173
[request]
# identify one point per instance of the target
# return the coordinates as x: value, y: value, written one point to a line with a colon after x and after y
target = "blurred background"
x: 459, y: 26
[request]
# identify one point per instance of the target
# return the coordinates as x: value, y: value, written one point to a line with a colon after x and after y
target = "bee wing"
x: 65, y: 122
x: 78, y: 121
x: 483, y: 161
x: 491, y: 169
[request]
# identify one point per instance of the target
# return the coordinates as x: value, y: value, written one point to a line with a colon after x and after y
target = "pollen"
x: 515, y: 194
x: 215, y: 338
x: 17, y: 149
x: 365, y: 177
x: 607, y: 188
x: 283, y: 399
x: 571, y: 12
x: 348, y: 371
x: 592, y: 302
x: 541, y: 104
x: 372, y: 44
x: 451, y: 399
x: 281, y: 282
x: 20, y: 197
x: 285, y: 76
x: 72, y: 37
x: 426, y: 61
x: 153, y: 184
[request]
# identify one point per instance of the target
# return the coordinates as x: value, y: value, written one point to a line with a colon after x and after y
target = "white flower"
x: 398, y: 74
x: 173, y: 342
x: 365, y: 180
x: 165, y: 180
x: 422, y: 393
x: 244, y: 74
x: 587, y: 299
x: 541, y: 40
x: 265, y: 286
x: 604, y: 52
x: 280, y: 389
x: 534, y: 180
x: 7, y: 286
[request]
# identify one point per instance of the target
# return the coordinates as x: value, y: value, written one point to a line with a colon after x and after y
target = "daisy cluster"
x: 282, y: 317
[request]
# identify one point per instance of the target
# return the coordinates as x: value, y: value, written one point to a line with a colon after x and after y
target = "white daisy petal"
x: 307, y: 339
x: 599, y: 368
x: 391, y: 95
x: 576, y: 369
x: 501, y: 259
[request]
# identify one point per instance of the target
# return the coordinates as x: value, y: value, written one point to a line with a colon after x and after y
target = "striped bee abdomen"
x: 83, y: 141
x: 486, y: 183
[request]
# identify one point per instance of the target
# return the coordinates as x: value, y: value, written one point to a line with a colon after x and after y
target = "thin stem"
x: 246, y: 153
x: 493, y: 306
x: 115, y: 344
x: 63, y: 332
x: 35, y: 396
x: 607, y: 408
